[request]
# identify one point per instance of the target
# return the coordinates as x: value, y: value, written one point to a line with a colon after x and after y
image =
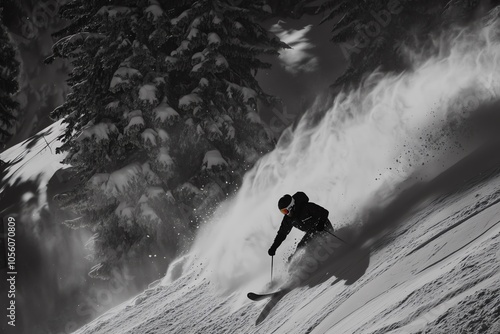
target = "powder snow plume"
x: 394, y: 130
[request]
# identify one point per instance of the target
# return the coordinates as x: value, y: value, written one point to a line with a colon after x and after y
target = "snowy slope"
x: 408, y: 168
x: 440, y: 273
x: 36, y: 160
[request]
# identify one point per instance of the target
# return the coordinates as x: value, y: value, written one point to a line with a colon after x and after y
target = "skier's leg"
x: 302, y: 243
x: 305, y: 240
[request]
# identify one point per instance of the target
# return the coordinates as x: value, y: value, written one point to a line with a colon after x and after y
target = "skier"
x: 302, y: 214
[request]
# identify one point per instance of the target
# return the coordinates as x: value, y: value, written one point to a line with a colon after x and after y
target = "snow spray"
x: 390, y: 130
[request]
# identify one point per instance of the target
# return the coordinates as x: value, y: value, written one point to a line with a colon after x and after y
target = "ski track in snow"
x: 440, y: 273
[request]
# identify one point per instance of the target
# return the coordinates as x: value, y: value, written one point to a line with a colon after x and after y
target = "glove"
x: 271, y: 251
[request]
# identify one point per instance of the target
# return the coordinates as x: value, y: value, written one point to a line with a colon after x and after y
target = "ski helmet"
x: 286, y: 204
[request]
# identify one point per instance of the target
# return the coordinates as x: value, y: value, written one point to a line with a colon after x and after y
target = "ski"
x: 257, y: 297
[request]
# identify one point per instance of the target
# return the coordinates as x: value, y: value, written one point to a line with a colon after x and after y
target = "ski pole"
x: 336, y: 237
x: 272, y: 262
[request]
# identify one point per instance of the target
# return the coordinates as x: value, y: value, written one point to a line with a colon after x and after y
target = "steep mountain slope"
x: 438, y: 273
x: 407, y: 167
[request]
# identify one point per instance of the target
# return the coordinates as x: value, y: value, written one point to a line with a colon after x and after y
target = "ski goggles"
x: 288, y: 209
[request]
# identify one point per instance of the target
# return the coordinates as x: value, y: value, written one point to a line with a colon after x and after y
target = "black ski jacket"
x: 306, y: 216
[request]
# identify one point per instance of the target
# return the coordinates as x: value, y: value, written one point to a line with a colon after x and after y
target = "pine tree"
x: 294, y: 8
x: 371, y: 34
x: 161, y: 121
x: 9, y: 71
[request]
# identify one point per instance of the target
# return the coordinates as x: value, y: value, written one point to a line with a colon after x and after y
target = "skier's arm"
x: 319, y: 213
x: 285, y: 228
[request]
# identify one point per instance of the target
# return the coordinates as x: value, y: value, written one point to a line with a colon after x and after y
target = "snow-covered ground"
x: 407, y: 168
x: 402, y: 167
x: 437, y: 273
